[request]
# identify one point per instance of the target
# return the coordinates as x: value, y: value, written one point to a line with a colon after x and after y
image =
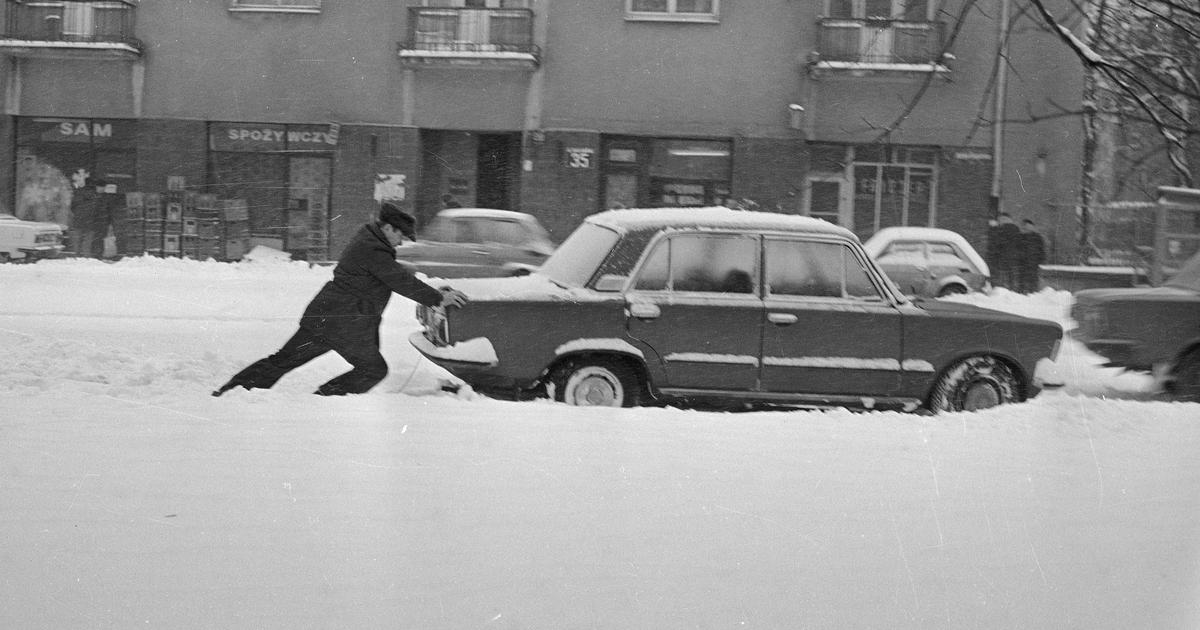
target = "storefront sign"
x: 121, y: 133
x: 272, y: 137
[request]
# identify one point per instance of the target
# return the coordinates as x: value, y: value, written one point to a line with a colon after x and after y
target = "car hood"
x: 948, y: 308
x: 530, y: 288
x: 1091, y: 296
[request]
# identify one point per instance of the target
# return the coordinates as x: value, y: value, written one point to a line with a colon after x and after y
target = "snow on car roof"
x: 712, y: 217
x: 880, y: 240
x: 490, y: 213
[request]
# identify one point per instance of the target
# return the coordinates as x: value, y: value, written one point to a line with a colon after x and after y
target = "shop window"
x: 672, y: 10
x: 891, y: 186
x: 288, y: 6
x: 690, y: 173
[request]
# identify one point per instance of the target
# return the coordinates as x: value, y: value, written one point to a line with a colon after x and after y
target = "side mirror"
x: 611, y: 282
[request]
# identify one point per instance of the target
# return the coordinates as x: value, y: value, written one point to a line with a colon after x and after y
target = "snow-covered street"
x: 129, y: 497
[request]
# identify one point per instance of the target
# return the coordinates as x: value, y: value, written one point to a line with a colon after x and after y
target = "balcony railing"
x: 65, y: 25
x: 879, y: 41
x: 478, y: 36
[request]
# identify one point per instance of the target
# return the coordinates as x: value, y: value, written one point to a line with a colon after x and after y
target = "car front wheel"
x: 597, y: 382
x: 974, y: 383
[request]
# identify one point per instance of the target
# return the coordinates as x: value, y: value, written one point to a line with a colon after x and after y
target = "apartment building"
x: 868, y: 113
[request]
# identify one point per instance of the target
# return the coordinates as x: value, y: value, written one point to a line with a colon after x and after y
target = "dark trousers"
x: 304, y: 346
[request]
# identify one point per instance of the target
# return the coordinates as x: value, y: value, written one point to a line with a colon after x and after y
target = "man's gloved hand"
x: 453, y: 297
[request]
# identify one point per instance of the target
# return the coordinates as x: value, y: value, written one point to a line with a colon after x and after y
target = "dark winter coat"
x: 348, y: 309
x: 1033, y: 249
x: 1008, y: 245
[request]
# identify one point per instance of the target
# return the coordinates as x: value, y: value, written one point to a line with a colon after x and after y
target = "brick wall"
x: 558, y: 195
x: 362, y: 153
x: 770, y: 172
x: 964, y: 194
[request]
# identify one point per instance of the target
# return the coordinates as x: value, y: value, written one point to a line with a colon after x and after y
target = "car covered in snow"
x: 1154, y: 329
x: 929, y: 262
x: 714, y: 304
x: 478, y: 243
x: 27, y: 241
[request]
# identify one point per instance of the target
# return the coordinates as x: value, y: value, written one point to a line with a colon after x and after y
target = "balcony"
x: 70, y: 28
x: 878, y: 46
x: 472, y: 38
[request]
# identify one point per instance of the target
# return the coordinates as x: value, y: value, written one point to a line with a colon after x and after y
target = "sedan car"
x: 478, y: 242
x: 704, y: 304
x: 929, y: 262
x: 28, y: 241
x: 1155, y: 329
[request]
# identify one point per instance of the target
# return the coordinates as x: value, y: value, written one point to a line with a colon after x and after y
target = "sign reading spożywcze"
x: 271, y: 137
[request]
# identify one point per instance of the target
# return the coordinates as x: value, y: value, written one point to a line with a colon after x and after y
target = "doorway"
x: 497, y: 171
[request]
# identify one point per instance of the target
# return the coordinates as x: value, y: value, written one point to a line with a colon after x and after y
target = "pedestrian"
x: 86, y: 215
x: 1007, y: 250
x: 346, y: 313
x: 1033, y: 254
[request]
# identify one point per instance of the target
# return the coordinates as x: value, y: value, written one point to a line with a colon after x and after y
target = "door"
x: 828, y: 328
x: 695, y: 303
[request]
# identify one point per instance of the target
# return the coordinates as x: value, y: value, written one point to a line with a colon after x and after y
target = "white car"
x: 28, y: 240
x: 929, y: 262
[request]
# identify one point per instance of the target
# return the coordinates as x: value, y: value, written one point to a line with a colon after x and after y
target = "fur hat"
x: 392, y: 215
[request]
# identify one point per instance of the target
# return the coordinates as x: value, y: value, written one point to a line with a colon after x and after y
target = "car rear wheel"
x: 596, y: 382
x: 975, y: 383
x: 1187, y: 378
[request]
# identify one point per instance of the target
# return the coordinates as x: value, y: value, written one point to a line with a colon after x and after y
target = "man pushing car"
x: 345, y: 315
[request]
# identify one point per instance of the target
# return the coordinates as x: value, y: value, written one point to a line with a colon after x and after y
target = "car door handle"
x: 781, y: 319
x: 643, y: 310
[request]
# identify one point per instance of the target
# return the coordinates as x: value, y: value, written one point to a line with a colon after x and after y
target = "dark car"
x: 1155, y: 329
x: 701, y: 304
x: 478, y: 242
x: 929, y: 262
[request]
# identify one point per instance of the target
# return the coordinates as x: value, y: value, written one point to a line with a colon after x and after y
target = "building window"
x: 672, y: 10
x: 887, y: 186
x: 277, y: 6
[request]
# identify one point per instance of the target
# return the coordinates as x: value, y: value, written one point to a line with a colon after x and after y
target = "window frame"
x: 883, y: 293
x: 672, y: 14
x: 274, y: 6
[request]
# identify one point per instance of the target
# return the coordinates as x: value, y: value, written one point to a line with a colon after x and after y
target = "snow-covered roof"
x: 713, y: 217
x: 881, y: 239
x: 490, y: 213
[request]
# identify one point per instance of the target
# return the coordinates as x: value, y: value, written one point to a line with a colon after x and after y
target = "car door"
x: 695, y: 303
x: 905, y: 262
x: 829, y: 329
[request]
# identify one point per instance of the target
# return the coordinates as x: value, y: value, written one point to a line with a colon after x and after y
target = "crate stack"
x: 186, y: 224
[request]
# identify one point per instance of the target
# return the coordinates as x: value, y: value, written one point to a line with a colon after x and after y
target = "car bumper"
x: 469, y: 357
x: 41, y: 251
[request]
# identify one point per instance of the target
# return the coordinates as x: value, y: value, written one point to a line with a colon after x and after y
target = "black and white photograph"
x: 604, y: 314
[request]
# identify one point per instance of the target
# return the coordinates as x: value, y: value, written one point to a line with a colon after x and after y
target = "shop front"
x: 284, y: 173
x: 654, y: 172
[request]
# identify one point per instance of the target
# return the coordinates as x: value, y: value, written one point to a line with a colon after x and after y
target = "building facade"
x: 868, y: 113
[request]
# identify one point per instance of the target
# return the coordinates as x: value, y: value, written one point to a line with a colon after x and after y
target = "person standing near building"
x: 1033, y: 254
x: 1004, y: 243
x: 86, y: 215
x: 345, y: 315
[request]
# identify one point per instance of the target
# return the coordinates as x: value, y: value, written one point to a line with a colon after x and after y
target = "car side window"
x: 904, y: 252
x: 701, y: 263
x: 502, y: 232
x: 816, y: 269
x: 946, y: 255
x: 439, y: 230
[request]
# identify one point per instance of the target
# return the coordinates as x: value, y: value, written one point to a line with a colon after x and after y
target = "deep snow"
x: 131, y: 498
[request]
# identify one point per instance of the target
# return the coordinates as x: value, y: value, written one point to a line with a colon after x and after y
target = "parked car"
x: 478, y: 242
x: 694, y: 304
x: 1155, y: 329
x: 929, y: 262
x: 28, y: 241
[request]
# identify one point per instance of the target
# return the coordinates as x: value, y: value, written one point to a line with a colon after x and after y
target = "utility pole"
x: 999, y: 110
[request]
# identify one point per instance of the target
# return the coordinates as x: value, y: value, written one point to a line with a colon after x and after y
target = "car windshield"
x: 574, y: 262
x: 1188, y: 277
